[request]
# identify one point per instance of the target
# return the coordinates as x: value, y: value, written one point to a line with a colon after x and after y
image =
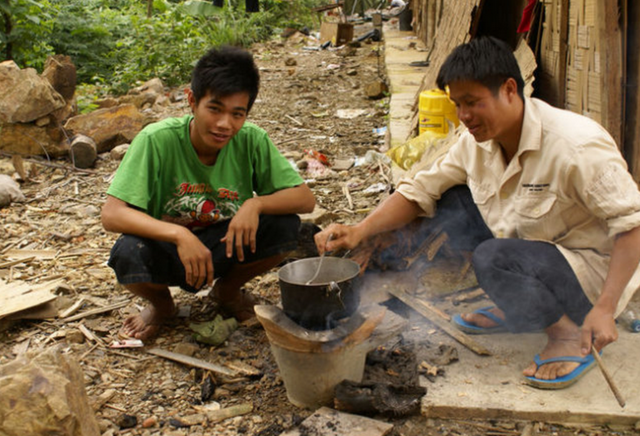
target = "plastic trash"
x: 410, y: 152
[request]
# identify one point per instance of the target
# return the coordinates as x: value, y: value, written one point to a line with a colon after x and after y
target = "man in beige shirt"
x: 561, y: 246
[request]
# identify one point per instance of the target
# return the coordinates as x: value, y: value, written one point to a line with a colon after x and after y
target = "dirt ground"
x: 309, y: 100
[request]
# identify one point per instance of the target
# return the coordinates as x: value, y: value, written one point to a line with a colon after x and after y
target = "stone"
x: 319, y: 216
x: 29, y: 139
x: 74, y: 336
x: 152, y: 421
x: 43, y: 121
x: 186, y: 348
x: 142, y: 100
x: 155, y: 85
x: 376, y: 90
x: 9, y: 191
x: 43, y: 393
x: 118, y: 152
x: 107, y: 102
x: 60, y: 72
x: 24, y: 95
x: 108, y: 127
x: 290, y: 62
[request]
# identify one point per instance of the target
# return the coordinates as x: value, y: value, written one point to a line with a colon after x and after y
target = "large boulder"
x: 30, y: 139
x: 60, y: 71
x: 44, y: 394
x: 108, y: 127
x: 24, y: 95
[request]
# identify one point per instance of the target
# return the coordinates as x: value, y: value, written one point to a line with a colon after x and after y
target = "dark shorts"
x: 142, y: 260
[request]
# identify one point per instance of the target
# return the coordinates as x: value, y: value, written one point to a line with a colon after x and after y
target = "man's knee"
x: 488, y: 253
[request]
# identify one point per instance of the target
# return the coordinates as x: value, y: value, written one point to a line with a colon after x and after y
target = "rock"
x: 74, y: 336
x: 155, y: 85
x: 118, y: 152
x: 127, y: 421
x: 107, y: 102
x: 24, y: 95
x: 82, y: 151
x: 9, y: 191
x: 290, y: 62
x: 186, y: 348
x: 44, y: 121
x: 151, y: 421
x: 177, y: 95
x: 376, y: 90
x: 44, y: 394
x: 29, y: 139
x: 108, y: 127
x: 60, y: 72
x: 319, y: 216
x: 140, y: 101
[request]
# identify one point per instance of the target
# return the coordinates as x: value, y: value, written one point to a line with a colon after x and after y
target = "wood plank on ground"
x: 435, y: 318
x: 18, y: 296
x: 329, y: 422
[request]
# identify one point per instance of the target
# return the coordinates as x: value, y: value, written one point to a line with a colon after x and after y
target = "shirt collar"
x: 531, y: 134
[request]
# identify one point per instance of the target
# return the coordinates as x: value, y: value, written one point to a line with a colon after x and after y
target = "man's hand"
x: 196, y: 258
x: 599, y: 329
x: 242, y: 229
x: 341, y: 237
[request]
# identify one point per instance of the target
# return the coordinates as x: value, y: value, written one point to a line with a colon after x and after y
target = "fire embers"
x: 390, y: 386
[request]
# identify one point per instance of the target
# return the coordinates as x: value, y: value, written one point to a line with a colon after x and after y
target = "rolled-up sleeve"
x: 614, y: 197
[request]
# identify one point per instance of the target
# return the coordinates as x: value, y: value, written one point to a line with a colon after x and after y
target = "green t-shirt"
x: 162, y: 175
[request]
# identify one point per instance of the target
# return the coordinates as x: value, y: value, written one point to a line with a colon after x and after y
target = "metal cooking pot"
x: 333, y: 295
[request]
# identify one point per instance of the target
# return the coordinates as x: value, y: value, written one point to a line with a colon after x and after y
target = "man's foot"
x: 563, y: 340
x: 479, y: 320
x: 239, y: 305
x: 146, y: 324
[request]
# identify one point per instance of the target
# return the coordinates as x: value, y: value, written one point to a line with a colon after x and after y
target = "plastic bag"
x: 410, y: 152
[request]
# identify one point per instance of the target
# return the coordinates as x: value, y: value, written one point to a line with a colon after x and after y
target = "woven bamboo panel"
x: 583, y: 69
x: 550, y: 43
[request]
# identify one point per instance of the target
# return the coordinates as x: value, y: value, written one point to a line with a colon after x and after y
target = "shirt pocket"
x: 539, y: 217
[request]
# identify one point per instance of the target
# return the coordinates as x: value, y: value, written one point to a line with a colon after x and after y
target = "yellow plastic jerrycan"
x: 435, y: 109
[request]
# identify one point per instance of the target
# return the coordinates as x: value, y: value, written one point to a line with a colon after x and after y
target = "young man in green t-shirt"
x: 202, y: 197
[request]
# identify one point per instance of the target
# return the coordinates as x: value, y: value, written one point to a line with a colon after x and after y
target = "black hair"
x: 224, y: 71
x: 486, y: 60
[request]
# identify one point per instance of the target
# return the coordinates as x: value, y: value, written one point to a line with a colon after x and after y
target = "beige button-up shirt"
x: 567, y: 184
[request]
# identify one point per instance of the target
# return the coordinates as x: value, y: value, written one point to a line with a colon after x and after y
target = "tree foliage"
x: 115, y: 43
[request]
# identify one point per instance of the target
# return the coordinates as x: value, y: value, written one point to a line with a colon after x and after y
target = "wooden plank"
x: 26, y: 254
x: 192, y: 361
x: 96, y: 311
x: 611, y: 61
x: 434, y: 318
x: 16, y: 262
x: 329, y: 422
x: 19, y: 296
x: 632, y: 113
x: 562, y: 416
x: 562, y: 57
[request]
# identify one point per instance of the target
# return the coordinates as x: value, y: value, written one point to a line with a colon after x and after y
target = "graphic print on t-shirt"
x: 200, y: 205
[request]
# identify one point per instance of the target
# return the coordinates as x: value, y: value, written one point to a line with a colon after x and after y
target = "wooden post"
x: 611, y: 67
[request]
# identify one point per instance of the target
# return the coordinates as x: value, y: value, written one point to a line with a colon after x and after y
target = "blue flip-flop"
x: 473, y: 329
x: 586, y: 363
